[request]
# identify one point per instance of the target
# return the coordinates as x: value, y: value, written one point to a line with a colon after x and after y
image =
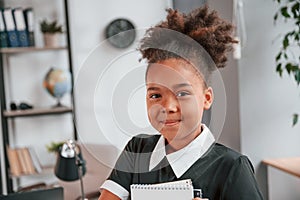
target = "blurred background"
x: 255, y: 118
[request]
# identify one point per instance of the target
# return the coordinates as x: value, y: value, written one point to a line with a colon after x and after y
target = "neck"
x: 178, y: 143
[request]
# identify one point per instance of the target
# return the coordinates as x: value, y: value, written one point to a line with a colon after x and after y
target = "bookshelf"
x: 25, y: 162
x: 8, y: 117
x: 45, y: 169
x: 37, y: 112
x: 30, y: 49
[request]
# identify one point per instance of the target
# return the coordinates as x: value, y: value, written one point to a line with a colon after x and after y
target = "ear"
x: 208, y: 98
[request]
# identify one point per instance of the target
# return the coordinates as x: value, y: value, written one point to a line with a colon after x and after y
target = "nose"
x: 171, y: 104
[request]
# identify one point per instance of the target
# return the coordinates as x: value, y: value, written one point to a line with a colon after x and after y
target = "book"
x: 23, y: 161
x: 10, y: 28
x: 29, y: 21
x: 20, y: 25
x: 24, y: 168
x: 3, y: 34
x: 176, y: 190
x: 35, y: 161
x: 28, y: 161
x: 14, y: 163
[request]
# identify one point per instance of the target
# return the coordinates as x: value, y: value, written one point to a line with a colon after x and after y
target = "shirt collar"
x: 184, y: 158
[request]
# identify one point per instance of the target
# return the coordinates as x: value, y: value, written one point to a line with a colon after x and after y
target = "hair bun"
x: 206, y: 28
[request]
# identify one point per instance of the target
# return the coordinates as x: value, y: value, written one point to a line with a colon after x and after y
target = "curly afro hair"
x: 201, y: 26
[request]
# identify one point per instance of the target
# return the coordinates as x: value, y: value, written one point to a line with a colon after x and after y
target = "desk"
x: 288, y: 165
x: 281, y: 186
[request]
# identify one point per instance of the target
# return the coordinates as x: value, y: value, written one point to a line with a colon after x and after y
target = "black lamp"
x: 70, y: 165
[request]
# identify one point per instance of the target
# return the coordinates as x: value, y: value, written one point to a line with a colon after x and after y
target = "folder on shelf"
x: 3, y: 34
x: 10, y: 28
x: 20, y: 25
x: 29, y: 21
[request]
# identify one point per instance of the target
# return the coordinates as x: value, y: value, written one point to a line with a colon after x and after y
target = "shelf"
x: 29, y: 49
x: 45, y: 170
x: 37, y: 111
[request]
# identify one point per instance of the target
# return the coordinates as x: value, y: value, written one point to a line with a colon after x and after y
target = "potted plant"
x: 54, y: 147
x: 51, y: 31
x: 287, y: 58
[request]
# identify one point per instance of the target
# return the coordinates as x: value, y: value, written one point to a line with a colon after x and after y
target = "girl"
x: 182, y: 52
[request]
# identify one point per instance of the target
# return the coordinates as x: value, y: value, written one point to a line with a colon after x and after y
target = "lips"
x: 171, y: 122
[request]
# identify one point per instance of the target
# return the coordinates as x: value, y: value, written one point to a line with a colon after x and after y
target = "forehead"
x: 172, y: 72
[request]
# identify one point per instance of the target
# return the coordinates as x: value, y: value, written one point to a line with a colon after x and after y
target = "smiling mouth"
x: 171, y: 122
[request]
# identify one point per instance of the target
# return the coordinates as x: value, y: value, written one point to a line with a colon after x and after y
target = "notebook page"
x: 177, y: 190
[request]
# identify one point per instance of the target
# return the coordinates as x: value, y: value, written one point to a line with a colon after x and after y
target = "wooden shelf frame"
x: 45, y: 170
x: 29, y: 49
x: 37, y: 112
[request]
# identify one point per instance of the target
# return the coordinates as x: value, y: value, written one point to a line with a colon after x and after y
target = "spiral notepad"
x: 177, y: 190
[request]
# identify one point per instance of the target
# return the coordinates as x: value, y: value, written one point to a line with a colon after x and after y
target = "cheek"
x: 154, y: 112
x: 192, y: 105
x: 192, y: 110
x: 192, y: 115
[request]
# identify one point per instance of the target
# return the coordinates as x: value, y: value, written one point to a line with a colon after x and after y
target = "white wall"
x: 267, y: 101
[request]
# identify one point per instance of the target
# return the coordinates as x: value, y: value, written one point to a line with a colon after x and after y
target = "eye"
x: 154, y: 96
x: 182, y: 94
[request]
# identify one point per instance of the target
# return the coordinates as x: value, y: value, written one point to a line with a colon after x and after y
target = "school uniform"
x: 220, y: 172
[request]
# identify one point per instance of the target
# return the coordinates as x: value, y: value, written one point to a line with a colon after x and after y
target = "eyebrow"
x: 175, y: 86
x: 182, y: 85
x: 153, y: 89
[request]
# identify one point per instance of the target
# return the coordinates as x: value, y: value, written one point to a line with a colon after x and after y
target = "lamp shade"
x: 69, y: 162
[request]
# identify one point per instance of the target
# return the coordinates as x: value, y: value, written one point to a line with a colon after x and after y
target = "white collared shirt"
x: 184, y: 158
x: 180, y: 161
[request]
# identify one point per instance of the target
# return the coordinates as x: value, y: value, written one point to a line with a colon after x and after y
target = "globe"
x: 57, y: 82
